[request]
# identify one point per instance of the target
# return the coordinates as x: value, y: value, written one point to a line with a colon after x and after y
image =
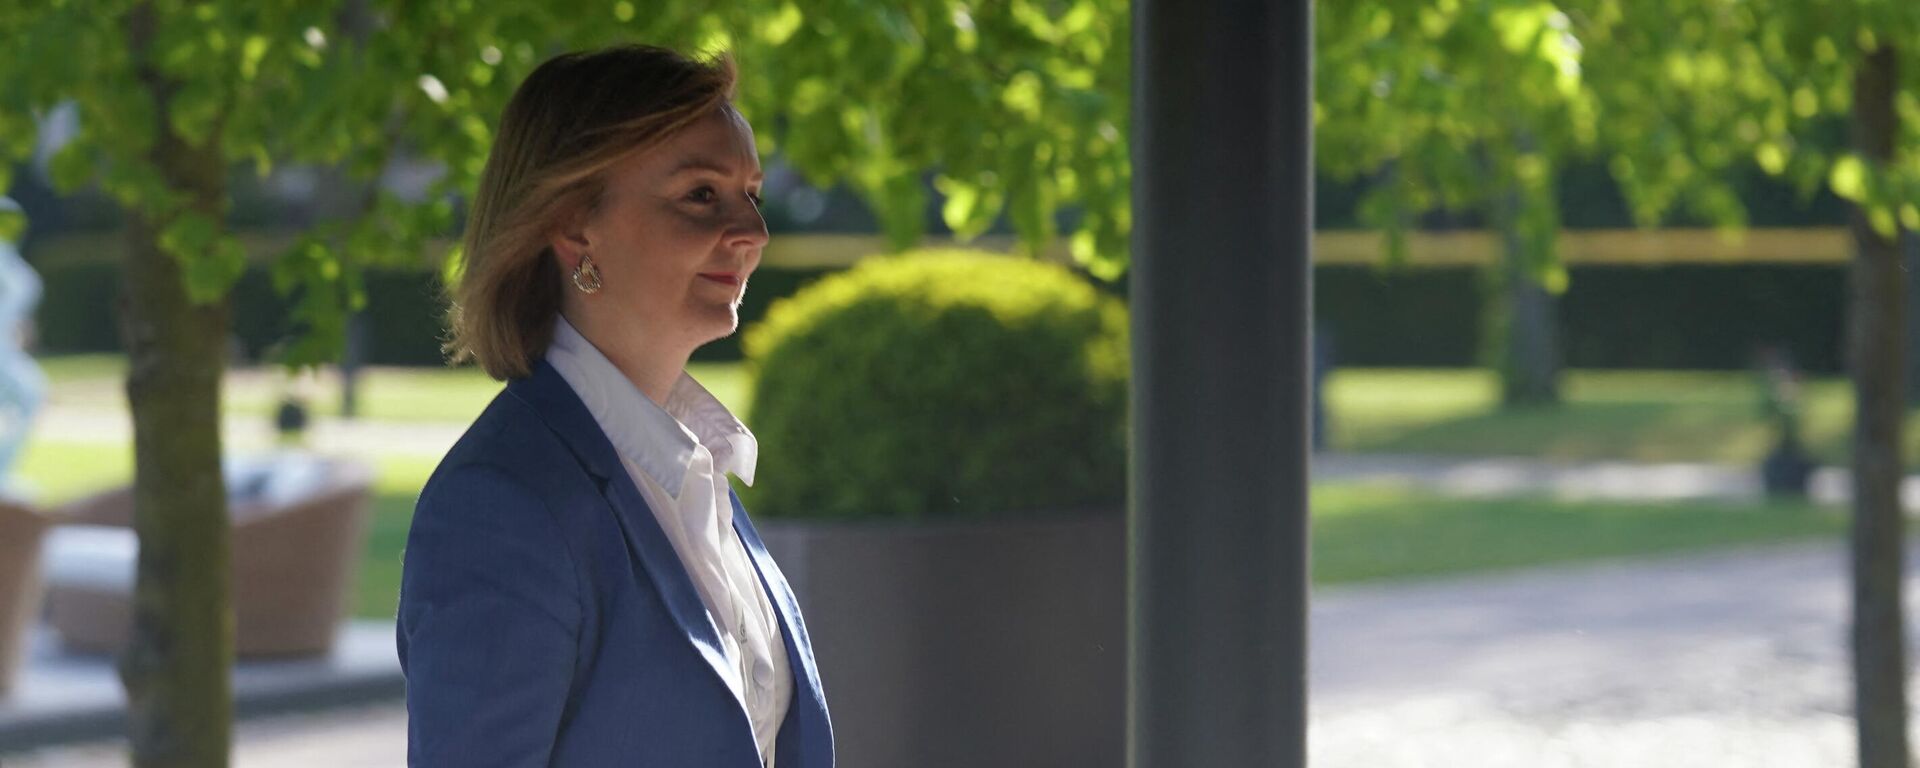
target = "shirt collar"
x: 659, y: 438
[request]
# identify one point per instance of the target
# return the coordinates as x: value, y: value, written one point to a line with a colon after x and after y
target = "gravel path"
x: 1724, y: 659
x: 1595, y: 480
x: 1734, y: 658
x: 370, y: 737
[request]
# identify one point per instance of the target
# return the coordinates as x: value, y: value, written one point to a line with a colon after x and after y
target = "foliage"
x: 1018, y: 107
x: 1456, y: 105
x: 940, y: 384
x: 1694, y: 91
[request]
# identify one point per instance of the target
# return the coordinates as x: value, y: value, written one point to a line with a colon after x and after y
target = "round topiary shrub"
x: 940, y: 384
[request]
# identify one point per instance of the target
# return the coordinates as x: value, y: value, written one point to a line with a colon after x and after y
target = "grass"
x: 55, y: 471
x: 1374, y: 533
x: 1607, y: 415
x: 406, y: 395
x: 67, y: 368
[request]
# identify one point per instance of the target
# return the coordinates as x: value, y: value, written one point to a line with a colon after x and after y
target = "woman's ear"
x: 569, y: 241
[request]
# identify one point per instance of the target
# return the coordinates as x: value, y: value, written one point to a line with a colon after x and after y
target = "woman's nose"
x: 749, y: 228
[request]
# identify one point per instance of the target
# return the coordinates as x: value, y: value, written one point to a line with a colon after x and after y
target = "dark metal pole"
x: 1222, y: 200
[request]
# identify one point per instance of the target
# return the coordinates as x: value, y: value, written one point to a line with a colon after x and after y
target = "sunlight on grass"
x: 1710, y: 416
x: 1372, y: 532
x: 67, y: 368
x: 54, y: 471
x: 408, y: 395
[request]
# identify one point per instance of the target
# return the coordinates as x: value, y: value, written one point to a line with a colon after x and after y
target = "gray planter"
x: 991, y: 643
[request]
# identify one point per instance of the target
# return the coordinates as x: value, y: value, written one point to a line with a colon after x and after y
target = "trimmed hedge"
x: 1661, y: 317
x: 941, y: 384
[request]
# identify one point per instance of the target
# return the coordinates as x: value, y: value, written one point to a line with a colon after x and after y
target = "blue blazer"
x: 545, y: 618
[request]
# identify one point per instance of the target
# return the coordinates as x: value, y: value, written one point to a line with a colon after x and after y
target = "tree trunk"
x: 1520, y: 333
x: 176, y: 670
x: 1912, y: 258
x: 1875, y: 351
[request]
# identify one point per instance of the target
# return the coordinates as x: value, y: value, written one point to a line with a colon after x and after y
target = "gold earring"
x: 586, y: 277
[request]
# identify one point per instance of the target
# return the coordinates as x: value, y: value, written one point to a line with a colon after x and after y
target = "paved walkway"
x: 61, y: 696
x: 1602, y: 480
x: 1725, y: 659
x: 366, y: 737
x: 1732, y: 658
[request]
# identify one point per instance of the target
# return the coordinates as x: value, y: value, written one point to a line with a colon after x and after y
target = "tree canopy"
x: 1454, y: 105
x: 1014, y: 107
x: 1695, y: 90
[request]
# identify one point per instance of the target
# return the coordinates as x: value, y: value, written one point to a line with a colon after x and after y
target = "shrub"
x: 940, y: 384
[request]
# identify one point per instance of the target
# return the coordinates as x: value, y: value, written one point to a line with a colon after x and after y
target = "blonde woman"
x: 582, y: 587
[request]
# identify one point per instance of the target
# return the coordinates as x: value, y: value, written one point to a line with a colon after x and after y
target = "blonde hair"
x: 575, y: 116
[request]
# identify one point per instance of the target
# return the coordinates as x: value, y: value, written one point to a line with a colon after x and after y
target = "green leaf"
x: 778, y: 27
x: 1771, y: 157
x: 969, y: 208
x: 453, y: 266
x: 251, y: 52
x: 209, y: 276
x: 1883, y: 221
x: 71, y: 167
x: 13, y: 224
x: 1022, y: 95
x: 1848, y: 178
x: 189, y: 236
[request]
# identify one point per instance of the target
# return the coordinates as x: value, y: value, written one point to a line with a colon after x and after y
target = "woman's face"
x: 676, y: 235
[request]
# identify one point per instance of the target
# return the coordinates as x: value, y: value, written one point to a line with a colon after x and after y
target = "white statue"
x: 23, y: 386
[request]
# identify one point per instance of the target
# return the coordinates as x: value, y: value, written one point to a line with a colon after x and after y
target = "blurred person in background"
x: 582, y: 586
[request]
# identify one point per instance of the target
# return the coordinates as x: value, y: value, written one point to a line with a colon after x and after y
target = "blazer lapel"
x: 806, y: 737
x: 549, y: 396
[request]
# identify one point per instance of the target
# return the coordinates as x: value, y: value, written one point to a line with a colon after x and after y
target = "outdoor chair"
x: 21, y: 531
x: 299, y: 525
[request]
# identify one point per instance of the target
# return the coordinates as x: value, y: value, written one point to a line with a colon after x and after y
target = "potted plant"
x: 942, y: 475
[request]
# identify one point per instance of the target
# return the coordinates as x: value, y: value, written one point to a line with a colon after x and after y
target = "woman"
x: 582, y: 587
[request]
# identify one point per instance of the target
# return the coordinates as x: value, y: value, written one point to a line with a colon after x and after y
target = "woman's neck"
x: 652, y: 366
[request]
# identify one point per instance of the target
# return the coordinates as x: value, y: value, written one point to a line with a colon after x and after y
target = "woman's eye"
x: 701, y: 195
x: 755, y: 197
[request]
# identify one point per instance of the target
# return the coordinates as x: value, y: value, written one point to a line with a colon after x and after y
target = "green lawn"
x: 1373, y: 533
x: 1608, y: 415
x: 1620, y: 415
x: 386, y: 394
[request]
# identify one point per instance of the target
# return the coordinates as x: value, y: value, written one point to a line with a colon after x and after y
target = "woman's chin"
x: 718, y: 322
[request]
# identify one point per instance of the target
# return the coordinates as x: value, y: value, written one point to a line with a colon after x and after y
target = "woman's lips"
x: 728, y: 278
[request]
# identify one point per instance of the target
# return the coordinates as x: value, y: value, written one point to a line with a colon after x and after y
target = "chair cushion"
x: 275, y: 479
x: 95, y: 557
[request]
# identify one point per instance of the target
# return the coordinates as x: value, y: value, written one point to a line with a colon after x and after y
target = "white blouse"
x: 678, y: 454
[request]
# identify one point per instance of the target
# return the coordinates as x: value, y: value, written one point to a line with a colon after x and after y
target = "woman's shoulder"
x: 508, y: 445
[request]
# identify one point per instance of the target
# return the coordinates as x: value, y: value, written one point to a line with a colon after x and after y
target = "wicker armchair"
x: 21, y: 530
x: 296, y: 554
